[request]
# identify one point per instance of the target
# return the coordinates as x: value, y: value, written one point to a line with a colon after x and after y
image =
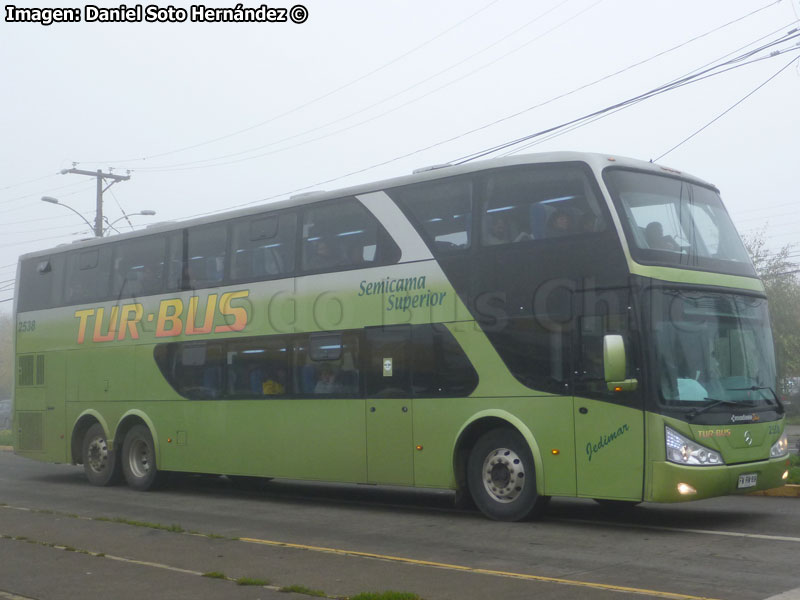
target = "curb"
x: 787, y: 491
x: 6, y: 448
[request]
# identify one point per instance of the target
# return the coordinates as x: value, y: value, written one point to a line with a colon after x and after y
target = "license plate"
x: 748, y: 480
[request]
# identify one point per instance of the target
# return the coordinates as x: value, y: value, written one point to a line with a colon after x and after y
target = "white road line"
x: 754, y: 536
x: 790, y: 595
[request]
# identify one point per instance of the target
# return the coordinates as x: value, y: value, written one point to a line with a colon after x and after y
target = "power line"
x: 314, y: 100
x: 674, y: 84
x: 35, y: 194
x: 196, y: 164
x: 726, y: 111
x: 26, y: 182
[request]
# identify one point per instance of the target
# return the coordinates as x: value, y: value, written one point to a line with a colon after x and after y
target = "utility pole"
x: 98, y: 217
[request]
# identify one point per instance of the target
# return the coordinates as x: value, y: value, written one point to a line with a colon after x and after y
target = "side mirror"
x: 614, y: 363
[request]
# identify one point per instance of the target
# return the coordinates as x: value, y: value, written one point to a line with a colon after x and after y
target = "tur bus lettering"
x: 175, y: 316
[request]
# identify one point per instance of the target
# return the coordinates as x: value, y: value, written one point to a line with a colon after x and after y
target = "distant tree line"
x: 779, y: 274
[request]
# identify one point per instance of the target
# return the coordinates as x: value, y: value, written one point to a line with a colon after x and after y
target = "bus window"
x: 206, y: 252
x: 535, y: 350
x: 536, y: 203
x: 88, y: 274
x: 38, y: 287
x: 602, y: 312
x: 342, y: 235
x: 258, y: 367
x: 195, y: 369
x: 442, y: 209
x: 440, y: 367
x: 327, y: 364
x: 263, y: 247
x: 138, y: 268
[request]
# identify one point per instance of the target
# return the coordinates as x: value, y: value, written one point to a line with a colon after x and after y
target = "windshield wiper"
x: 712, y: 403
x: 754, y: 388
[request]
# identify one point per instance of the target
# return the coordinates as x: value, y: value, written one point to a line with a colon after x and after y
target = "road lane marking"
x: 466, y: 569
x: 788, y: 595
x: 10, y: 596
x: 754, y: 536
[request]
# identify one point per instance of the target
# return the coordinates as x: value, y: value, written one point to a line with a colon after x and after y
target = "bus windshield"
x: 712, y: 347
x: 671, y: 221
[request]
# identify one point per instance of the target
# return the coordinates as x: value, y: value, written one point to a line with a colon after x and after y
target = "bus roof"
x: 596, y: 161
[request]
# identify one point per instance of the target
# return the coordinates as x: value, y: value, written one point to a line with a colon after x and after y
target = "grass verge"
x: 251, y: 581
x: 386, y: 596
x: 301, y: 589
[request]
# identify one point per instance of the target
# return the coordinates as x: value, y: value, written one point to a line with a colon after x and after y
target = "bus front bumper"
x: 678, y: 483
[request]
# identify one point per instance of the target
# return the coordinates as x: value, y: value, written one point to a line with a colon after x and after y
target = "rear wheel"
x: 99, y: 462
x: 139, y: 460
x: 502, y: 478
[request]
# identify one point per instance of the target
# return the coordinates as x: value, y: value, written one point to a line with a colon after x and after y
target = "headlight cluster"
x: 780, y: 448
x: 684, y: 451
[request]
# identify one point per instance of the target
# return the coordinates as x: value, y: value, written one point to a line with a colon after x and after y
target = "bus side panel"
x: 438, y: 421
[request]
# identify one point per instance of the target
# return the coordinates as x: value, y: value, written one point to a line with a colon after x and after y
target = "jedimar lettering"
x: 605, y: 441
x: 174, y: 316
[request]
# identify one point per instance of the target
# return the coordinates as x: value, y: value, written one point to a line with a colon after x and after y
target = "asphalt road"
x: 62, y: 538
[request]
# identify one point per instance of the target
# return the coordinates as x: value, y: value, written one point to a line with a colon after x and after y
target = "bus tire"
x: 99, y: 462
x: 501, y: 477
x: 139, y: 460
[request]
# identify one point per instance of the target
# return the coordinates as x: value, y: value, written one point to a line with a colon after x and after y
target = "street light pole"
x: 52, y: 200
x: 98, y: 217
x: 146, y: 212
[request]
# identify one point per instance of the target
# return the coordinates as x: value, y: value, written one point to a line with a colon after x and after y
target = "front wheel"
x: 139, y: 460
x: 502, y: 478
x: 99, y: 462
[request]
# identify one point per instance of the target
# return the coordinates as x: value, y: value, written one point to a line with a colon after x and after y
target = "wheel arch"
x: 82, y: 424
x: 130, y: 419
x: 479, y: 424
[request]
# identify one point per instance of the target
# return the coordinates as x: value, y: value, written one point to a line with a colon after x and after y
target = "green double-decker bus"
x: 560, y: 324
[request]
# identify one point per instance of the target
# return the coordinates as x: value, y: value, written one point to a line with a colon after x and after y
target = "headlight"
x: 780, y: 448
x: 684, y: 451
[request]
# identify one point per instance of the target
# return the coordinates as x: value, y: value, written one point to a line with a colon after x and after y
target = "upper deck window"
x: 443, y: 211
x: 536, y: 203
x: 263, y: 247
x: 343, y: 235
x: 673, y: 222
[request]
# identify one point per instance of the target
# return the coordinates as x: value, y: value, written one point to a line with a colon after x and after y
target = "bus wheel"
x: 139, y: 460
x: 99, y: 463
x: 501, y: 477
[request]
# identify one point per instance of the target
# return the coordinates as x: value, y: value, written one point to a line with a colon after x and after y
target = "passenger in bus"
x: 560, y: 224
x: 501, y: 232
x: 326, y: 384
x: 325, y: 253
x: 655, y: 238
x: 275, y: 383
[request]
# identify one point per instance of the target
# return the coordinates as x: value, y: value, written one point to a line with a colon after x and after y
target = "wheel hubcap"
x: 98, y: 455
x: 503, y: 475
x: 140, y: 460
